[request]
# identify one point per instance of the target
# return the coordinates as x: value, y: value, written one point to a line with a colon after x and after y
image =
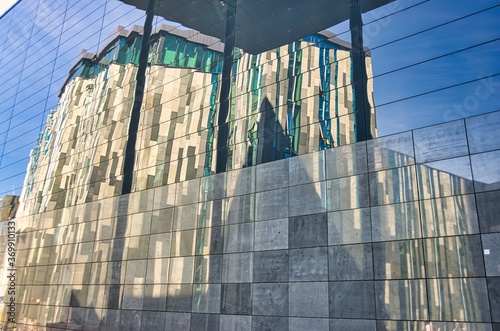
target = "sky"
x: 468, y: 31
x: 432, y: 62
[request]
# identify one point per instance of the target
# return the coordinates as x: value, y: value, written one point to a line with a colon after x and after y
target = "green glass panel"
x: 180, y: 55
x: 190, y: 55
x: 169, y: 50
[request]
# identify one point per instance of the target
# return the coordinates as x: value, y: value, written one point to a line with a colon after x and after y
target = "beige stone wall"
x: 173, y: 126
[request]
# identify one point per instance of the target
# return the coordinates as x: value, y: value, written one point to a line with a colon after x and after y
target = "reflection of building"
x: 394, y: 233
x: 290, y: 101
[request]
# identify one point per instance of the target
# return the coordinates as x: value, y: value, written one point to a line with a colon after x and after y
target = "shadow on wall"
x: 270, y: 142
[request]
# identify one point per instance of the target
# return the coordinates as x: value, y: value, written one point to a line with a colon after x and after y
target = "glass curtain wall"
x: 350, y: 183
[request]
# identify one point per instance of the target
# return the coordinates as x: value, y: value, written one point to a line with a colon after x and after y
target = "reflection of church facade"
x: 289, y: 101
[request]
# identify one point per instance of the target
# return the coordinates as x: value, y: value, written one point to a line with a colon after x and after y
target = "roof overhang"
x: 260, y: 24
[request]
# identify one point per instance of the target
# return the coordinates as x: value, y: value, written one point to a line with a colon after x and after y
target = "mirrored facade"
x: 293, y: 100
x: 142, y: 209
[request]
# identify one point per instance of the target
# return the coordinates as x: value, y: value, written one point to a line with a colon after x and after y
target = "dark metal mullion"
x: 117, y: 253
x: 225, y: 92
x: 359, y: 77
x: 128, y: 166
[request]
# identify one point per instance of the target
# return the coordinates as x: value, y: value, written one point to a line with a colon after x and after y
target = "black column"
x: 128, y: 165
x: 225, y: 91
x: 359, y: 77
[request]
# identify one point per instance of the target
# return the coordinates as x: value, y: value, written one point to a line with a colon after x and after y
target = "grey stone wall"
x: 397, y: 233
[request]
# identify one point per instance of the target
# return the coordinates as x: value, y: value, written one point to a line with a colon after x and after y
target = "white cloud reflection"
x: 5, y: 5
